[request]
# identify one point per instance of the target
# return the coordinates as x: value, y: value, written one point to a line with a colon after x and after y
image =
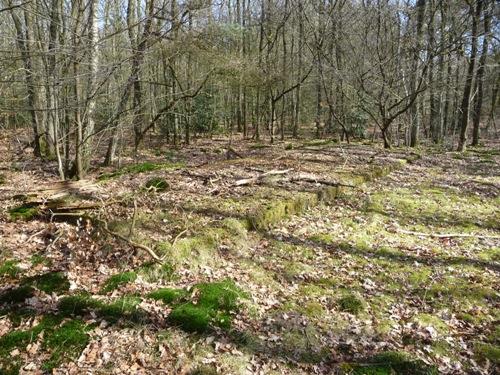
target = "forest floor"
x: 344, y: 259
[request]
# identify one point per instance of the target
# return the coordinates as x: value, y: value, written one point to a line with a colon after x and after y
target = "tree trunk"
x: 31, y: 88
x: 476, y: 116
x: 464, y: 118
x: 415, y: 119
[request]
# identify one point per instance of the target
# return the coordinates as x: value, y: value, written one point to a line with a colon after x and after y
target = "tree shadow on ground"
x: 397, y: 257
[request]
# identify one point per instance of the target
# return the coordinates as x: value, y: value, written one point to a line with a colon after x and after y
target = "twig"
x: 54, y: 242
x: 177, y: 237
x: 448, y: 235
x: 34, y: 235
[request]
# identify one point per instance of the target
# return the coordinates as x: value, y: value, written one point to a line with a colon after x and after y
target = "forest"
x: 249, y: 187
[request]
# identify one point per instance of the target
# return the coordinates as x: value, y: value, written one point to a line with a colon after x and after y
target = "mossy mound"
x: 211, y: 305
x: 157, y: 184
x: 9, y: 268
x: 51, y: 282
x: 191, y: 318
x: 117, y: 280
x: 388, y: 363
x: 24, y: 212
x: 65, y: 342
x: 167, y: 295
x: 76, y: 304
x: 264, y: 218
x: 351, y: 304
x: 122, y: 308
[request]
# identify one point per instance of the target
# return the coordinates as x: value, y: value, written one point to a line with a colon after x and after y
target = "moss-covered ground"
x: 288, y: 275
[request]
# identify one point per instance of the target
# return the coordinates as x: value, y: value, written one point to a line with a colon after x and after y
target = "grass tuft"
x: 351, y: 304
x: 157, y: 184
x: 9, y: 268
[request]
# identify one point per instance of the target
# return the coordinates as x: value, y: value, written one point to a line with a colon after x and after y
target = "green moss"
x: 293, y: 270
x: 492, y: 254
x: 65, y: 342
x: 51, y: 282
x: 221, y: 295
x: 388, y: 363
x: 213, y: 305
x: 235, y: 228
x: 432, y: 320
x: 443, y: 207
x: 9, y: 268
x: 264, y: 218
x: 3, y: 179
x: 329, y: 194
x: 77, y: 304
x: 15, y: 339
x: 24, y: 212
x: 157, y: 184
x: 19, y: 339
x: 313, y: 310
x: 191, y: 318
x: 487, y: 351
x: 124, y: 307
x: 37, y: 259
x: 420, y: 276
x: 325, y: 238
x: 351, y: 303
x: 117, y: 280
x: 16, y: 295
x: 167, y: 295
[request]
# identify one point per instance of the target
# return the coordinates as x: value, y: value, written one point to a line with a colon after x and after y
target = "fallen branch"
x: 253, y: 180
x: 319, y: 181
x: 131, y: 243
x: 448, y: 235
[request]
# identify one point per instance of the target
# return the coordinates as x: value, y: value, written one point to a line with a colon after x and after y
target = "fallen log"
x: 319, y: 181
x: 256, y: 179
